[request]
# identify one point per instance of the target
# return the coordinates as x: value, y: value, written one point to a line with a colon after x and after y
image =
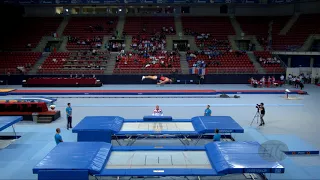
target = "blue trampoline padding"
x: 158, y: 148
x: 90, y: 156
x: 157, y: 118
x: 158, y: 172
x: 240, y: 157
x: 99, y: 123
x: 208, y: 124
x: 7, y: 121
x: 157, y: 133
x: 141, y: 120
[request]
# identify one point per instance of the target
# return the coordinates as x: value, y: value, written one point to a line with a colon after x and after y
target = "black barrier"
x: 136, y: 79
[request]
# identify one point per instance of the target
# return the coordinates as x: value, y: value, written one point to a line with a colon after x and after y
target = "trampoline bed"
x: 106, y: 128
x: 78, y: 160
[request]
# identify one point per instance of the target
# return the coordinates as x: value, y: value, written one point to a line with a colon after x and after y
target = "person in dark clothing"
x: 262, y: 113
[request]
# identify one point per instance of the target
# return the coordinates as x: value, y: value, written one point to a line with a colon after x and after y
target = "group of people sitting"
x: 269, y: 60
x: 270, y: 81
x: 157, y: 59
x: 95, y: 41
x: 116, y: 46
x: 152, y: 43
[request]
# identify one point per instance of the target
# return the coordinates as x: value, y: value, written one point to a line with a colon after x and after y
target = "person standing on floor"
x: 69, y: 116
x: 262, y: 113
x: 57, y: 137
x: 207, y: 112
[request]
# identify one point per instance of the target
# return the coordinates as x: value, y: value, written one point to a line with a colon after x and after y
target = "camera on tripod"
x: 258, y: 106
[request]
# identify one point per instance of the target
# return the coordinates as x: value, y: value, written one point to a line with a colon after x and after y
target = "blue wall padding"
x: 95, y: 136
x: 63, y: 175
x: 157, y: 118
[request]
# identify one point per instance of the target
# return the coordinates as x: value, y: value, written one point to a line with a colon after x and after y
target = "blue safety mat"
x: 295, y: 145
x: 99, y: 123
x: 90, y: 156
x: 240, y: 157
x: 7, y: 121
x: 208, y: 124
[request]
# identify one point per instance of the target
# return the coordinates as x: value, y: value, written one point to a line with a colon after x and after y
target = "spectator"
x: 58, y: 137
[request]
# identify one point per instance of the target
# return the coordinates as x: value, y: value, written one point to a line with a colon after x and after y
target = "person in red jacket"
x: 159, y: 79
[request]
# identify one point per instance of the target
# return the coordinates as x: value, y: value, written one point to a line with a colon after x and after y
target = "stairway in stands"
x: 120, y: 25
x: 255, y: 63
x: 289, y: 24
x: 236, y: 26
x: 40, y: 61
x: 178, y: 25
x: 111, y: 63
x: 183, y: 63
x: 63, y: 25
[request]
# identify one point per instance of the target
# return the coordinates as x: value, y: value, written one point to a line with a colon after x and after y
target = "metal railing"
x: 145, y: 71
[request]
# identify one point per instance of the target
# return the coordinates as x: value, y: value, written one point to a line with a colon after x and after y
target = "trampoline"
x: 78, y: 160
x: 7, y: 121
x: 106, y: 128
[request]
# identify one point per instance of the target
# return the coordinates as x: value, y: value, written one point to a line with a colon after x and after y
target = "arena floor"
x: 298, y: 116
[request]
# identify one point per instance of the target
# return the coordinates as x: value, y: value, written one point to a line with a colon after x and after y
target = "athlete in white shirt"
x: 157, y: 112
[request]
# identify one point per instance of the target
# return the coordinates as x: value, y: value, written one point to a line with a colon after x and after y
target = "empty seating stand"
x: 9, y: 61
x: 135, y: 25
x: 30, y: 31
x: 80, y: 27
x: 226, y: 63
x: 259, y: 26
x: 55, y: 64
x: 219, y: 28
x: 26, y: 109
x: 305, y: 25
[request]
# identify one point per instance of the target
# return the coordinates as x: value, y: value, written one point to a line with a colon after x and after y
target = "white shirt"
x: 157, y: 112
x: 281, y: 78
